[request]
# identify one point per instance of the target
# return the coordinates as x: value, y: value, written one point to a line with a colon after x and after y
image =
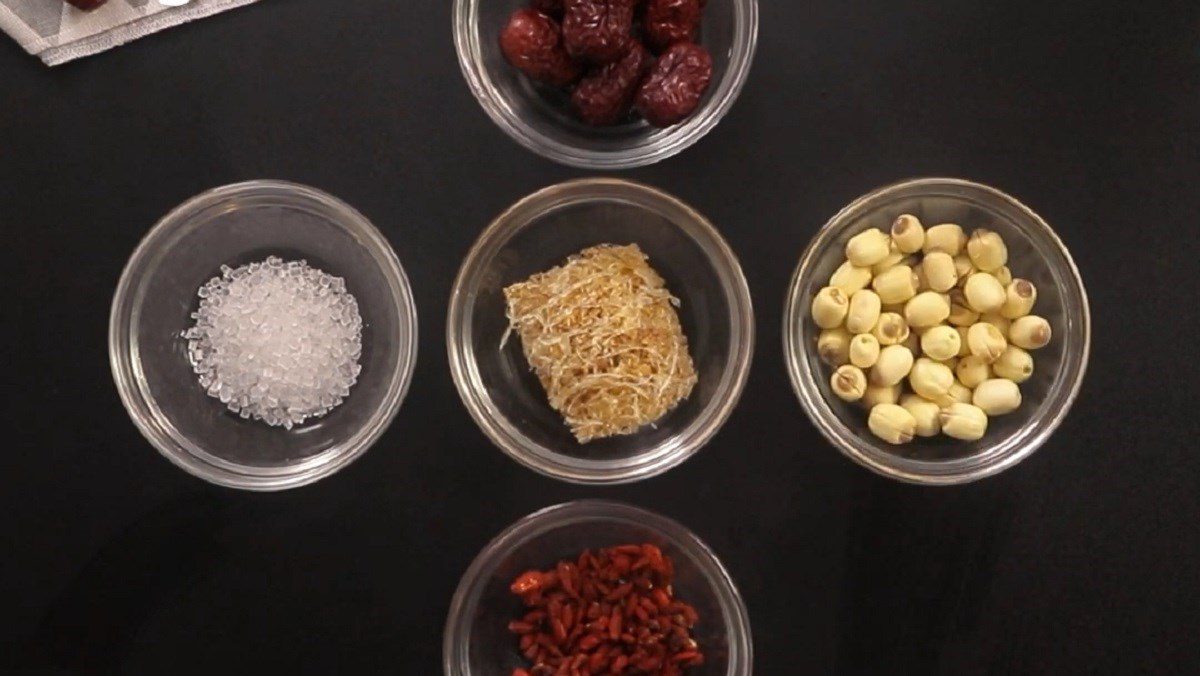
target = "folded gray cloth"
x: 58, y: 32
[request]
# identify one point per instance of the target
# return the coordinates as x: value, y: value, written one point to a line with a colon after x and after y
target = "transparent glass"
x: 540, y: 118
x: 477, y: 640
x: 235, y: 225
x: 1035, y: 253
x: 540, y: 232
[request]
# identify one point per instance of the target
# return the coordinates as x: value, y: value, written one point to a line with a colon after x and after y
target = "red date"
x: 603, y: 97
x: 532, y: 42
x: 671, y: 21
x: 675, y: 85
x: 597, y: 31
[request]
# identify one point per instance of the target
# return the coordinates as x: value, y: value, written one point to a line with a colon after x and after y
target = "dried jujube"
x: 669, y: 21
x: 597, y: 31
x: 532, y: 42
x: 674, y: 87
x: 611, y: 44
x: 604, y: 96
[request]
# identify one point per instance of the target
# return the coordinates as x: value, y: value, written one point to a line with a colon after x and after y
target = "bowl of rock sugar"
x: 263, y: 335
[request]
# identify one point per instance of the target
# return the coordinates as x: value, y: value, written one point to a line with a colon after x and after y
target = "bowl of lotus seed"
x: 936, y: 331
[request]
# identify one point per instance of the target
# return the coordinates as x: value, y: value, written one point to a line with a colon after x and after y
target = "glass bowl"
x: 236, y: 225
x: 540, y: 118
x: 477, y: 640
x: 540, y: 232
x: 1035, y: 253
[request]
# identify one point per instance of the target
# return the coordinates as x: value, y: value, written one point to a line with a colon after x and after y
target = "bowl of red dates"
x: 597, y: 587
x: 606, y: 84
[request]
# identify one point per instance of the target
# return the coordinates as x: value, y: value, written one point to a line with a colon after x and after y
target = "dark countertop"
x: 1081, y: 558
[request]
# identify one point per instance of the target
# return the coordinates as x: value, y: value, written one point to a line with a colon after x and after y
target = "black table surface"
x: 1081, y: 558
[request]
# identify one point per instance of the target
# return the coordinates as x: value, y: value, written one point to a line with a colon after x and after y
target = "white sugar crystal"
x: 277, y: 342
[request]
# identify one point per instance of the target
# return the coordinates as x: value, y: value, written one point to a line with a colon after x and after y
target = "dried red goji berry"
x: 529, y: 581
x: 621, y: 620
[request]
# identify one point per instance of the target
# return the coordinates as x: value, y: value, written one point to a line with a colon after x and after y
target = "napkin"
x: 56, y: 32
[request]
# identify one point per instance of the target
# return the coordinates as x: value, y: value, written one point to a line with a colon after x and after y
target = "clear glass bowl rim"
x: 153, y: 423
x: 808, y: 391
x: 696, y: 435
x: 674, y: 141
x: 733, y: 607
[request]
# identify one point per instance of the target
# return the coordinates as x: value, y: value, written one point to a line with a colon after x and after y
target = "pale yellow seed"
x: 868, y: 247
x: 961, y: 313
x: 940, y: 343
x: 964, y: 268
x: 939, y: 271
x: 849, y: 383
x: 882, y: 394
x: 930, y: 379
x: 958, y: 393
x: 927, y: 308
x: 964, y: 421
x: 1030, y: 332
x: 984, y: 294
x: 987, y: 250
x: 972, y: 370
x: 891, y: 329
x: 908, y: 234
x: 833, y: 346
x: 893, y: 259
x: 947, y: 237
x: 864, y: 350
x: 997, y: 321
x: 1003, y: 275
x: 895, y: 285
x: 829, y: 307
x: 986, y: 342
x: 895, y: 361
x: 850, y: 279
x: 1019, y: 298
x: 864, y: 311
x: 926, y: 413
x: 997, y: 396
x: 1015, y: 364
x: 892, y: 423
x: 965, y: 349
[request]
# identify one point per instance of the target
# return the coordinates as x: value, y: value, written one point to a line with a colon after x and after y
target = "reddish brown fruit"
x: 597, y: 31
x: 604, y: 96
x: 87, y: 4
x: 671, y: 21
x: 674, y: 87
x: 532, y: 42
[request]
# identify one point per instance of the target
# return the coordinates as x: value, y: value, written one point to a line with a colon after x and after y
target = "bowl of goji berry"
x: 597, y: 587
x: 606, y: 84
